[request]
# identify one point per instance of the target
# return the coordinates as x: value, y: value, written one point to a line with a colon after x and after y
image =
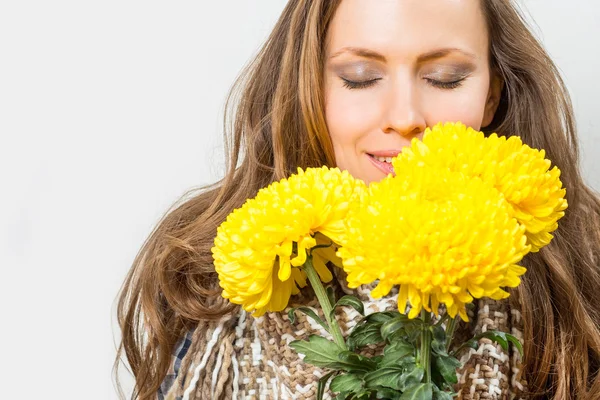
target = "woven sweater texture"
x: 242, y: 357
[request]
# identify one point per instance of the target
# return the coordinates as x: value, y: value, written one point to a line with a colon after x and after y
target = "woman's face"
x: 395, y: 67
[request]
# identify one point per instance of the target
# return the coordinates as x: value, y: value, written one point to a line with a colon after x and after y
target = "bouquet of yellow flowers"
x: 451, y: 226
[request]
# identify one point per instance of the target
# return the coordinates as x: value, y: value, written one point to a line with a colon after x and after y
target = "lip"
x: 385, y: 153
x: 384, y: 167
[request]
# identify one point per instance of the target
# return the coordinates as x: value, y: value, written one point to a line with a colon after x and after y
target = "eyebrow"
x: 431, y: 55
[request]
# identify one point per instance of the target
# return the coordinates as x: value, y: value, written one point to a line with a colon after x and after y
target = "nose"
x: 403, y: 114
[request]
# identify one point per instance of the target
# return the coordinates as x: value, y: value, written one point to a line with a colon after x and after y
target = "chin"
x: 376, y: 176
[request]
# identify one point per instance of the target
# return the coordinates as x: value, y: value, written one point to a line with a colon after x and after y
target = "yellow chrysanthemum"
x: 520, y: 173
x: 259, y: 243
x: 442, y: 236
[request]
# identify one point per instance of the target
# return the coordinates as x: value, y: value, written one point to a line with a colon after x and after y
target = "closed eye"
x: 435, y: 83
x: 359, y: 85
x: 445, y: 85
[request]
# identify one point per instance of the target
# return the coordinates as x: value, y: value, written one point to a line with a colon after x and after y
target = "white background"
x: 109, y: 111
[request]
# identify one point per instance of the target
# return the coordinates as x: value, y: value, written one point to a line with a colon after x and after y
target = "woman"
x: 348, y: 83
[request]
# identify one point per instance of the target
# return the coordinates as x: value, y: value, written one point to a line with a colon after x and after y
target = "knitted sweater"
x: 242, y: 357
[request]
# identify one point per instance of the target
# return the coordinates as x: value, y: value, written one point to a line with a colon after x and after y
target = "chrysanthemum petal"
x: 383, y: 288
x: 286, y: 215
x: 519, y: 172
x: 285, y: 270
x: 320, y: 265
x: 442, y: 236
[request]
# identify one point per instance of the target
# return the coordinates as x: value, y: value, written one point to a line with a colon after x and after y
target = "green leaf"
x: 323, y: 353
x: 309, y: 312
x: 411, y: 377
x: 292, y: 315
x: 442, y: 396
x: 393, y: 325
x: 351, y: 301
x: 318, y: 351
x: 446, y: 366
x: 438, y: 344
x: 399, y: 335
x: 395, y: 358
x: 352, y: 362
x: 362, y: 395
x: 436, y: 378
x: 410, y: 332
x: 330, y: 295
x: 502, y: 338
x: 365, y: 334
x: 346, y: 382
x: 397, y: 345
x: 413, y: 331
x: 472, y: 343
x: 438, y: 347
x: 382, y: 316
x: 387, y: 394
x: 408, y: 363
x: 388, y: 377
x: 421, y: 391
x: 516, y: 342
x: 439, y: 395
x: 377, y: 359
x: 438, y: 333
x: 496, y: 336
x: 396, y: 353
x: 322, y: 383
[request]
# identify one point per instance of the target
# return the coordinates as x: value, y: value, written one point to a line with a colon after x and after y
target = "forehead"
x: 403, y: 29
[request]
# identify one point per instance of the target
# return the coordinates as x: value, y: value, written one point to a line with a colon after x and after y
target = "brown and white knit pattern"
x: 489, y: 372
x: 242, y: 357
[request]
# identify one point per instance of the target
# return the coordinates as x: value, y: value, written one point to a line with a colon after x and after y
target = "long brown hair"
x: 276, y: 123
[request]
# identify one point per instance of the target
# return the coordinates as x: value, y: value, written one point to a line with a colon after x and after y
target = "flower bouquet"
x: 450, y: 227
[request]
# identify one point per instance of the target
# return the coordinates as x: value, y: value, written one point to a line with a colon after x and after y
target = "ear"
x: 493, y: 99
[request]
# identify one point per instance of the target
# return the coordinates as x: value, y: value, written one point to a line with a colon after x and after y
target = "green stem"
x: 442, y: 320
x: 319, y: 289
x: 450, y: 332
x: 426, y: 345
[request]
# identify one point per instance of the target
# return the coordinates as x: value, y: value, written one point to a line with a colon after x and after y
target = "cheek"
x: 466, y: 105
x: 349, y: 117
